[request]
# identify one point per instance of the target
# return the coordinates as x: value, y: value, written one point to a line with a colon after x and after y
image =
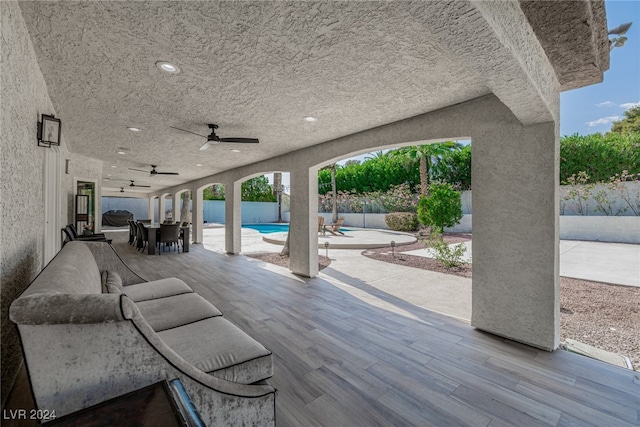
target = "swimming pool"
x: 268, y: 228
x: 274, y: 228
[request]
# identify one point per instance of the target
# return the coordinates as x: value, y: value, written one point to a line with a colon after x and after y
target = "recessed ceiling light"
x: 167, y: 67
x: 132, y: 129
x: 310, y: 119
x: 235, y: 150
x: 198, y: 164
x: 114, y: 166
x: 121, y: 152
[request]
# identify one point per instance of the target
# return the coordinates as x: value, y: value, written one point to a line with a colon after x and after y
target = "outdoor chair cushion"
x: 221, y: 349
x: 183, y: 309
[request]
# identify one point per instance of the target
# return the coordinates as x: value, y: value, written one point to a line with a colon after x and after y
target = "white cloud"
x: 628, y: 105
x: 603, y: 121
x: 605, y: 104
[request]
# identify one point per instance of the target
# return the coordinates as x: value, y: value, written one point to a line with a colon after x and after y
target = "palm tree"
x: 277, y: 189
x: 426, y: 155
x: 186, y: 208
x: 377, y: 155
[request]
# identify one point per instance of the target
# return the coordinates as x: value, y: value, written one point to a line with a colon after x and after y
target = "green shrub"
x: 455, y: 168
x: 599, y: 156
x: 402, y: 221
x: 441, y: 208
x: 449, y: 256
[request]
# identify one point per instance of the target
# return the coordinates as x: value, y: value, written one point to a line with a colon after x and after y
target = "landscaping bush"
x: 599, y: 156
x: 377, y: 174
x: 402, y: 221
x: 398, y: 198
x: 441, y: 208
x: 449, y: 256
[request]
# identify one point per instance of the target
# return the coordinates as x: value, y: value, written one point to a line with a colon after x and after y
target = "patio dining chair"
x: 334, y: 227
x: 142, y: 236
x: 169, y: 233
x: 133, y: 232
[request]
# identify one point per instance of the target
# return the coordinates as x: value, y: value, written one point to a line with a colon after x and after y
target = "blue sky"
x: 591, y: 109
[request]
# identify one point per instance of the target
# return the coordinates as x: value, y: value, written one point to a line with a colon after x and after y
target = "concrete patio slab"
x: 615, y: 263
x: 354, y: 238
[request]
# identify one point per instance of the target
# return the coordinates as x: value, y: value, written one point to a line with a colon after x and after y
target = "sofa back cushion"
x: 72, y: 271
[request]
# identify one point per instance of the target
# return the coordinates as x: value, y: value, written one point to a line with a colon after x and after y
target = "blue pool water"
x: 268, y: 228
x: 274, y: 228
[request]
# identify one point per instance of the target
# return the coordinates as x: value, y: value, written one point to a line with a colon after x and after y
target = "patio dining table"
x: 154, y: 231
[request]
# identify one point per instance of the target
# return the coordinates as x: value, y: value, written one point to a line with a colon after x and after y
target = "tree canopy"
x: 630, y: 123
x: 255, y: 189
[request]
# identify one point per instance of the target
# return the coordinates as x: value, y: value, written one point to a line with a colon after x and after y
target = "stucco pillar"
x: 197, y: 215
x: 152, y: 206
x: 303, y: 227
x: 176, y: 207
x: 233, y: 217
x: 515, y: 233
x: 163, y: 207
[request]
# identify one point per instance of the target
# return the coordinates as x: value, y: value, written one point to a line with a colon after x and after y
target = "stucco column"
x: 197, y: 215
x: 176, y: 207
x: 152, y: 206
x: 163, y: 207
x: 515, y: 232
x: 303, y: 239
x: 233, y: 217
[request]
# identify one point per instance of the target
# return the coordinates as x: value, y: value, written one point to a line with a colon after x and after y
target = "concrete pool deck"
x: 355, y: 238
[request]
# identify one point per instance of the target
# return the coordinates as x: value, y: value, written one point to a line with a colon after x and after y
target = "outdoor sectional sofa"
x: 92, y: 329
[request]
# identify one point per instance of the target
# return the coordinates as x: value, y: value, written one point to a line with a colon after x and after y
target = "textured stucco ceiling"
x: 255, y: 69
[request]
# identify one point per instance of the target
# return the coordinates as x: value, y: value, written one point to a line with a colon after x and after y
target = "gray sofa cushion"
x: 177, y: 310
x: 111, y: 282
x: 218, y: 347
x: 71, y: 271
x: 157, y: 289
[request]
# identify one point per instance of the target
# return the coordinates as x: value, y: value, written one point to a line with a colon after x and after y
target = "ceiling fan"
x: 134, y: 185
x: 153, y: 171
x: 215, y: 139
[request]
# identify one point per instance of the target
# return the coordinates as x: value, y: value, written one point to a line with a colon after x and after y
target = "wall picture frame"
x: 50, y: 131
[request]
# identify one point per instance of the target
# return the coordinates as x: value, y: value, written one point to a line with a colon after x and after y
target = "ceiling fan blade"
x: 241, y: 140
x: 167, y: 173
x: 139, y: 170
x: 187, y: 131
x: 147, y: 186
x: 205, y: 146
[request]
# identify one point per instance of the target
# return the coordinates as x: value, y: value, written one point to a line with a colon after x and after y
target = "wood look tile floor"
x: 346, y: 355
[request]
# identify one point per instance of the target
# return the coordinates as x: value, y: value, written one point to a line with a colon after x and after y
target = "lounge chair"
x: 321, y: 225
x: 334, y: 227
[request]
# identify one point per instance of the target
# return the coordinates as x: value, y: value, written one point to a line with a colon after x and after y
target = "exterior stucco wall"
x: 24, y: 98
x: 22, y: 228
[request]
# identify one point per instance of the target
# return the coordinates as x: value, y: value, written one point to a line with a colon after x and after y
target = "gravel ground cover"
x: 602, y: 315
